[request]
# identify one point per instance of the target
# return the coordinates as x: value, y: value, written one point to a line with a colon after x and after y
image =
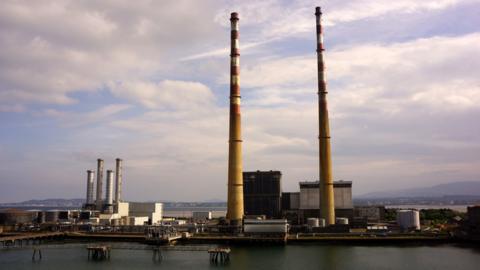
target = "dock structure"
x: 100, y: 252
x: 28, y: 238
x: 158, y: 235
x: 219, y: 254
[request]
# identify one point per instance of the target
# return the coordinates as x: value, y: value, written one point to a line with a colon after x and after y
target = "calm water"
x: 281, y: 257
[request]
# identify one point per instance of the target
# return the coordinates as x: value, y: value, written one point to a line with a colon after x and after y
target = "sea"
x: 311, y: 256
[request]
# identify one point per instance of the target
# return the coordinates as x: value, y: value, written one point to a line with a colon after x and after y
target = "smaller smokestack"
x: 109, y: 193
x: 99, y: 201
x: 118, y: 180
x: 90, y: 182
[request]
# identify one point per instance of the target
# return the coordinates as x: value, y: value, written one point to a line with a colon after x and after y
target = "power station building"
x: 262, y: 193
x: 299, y: 206
x: 111, y: 209
x: 310, y: 198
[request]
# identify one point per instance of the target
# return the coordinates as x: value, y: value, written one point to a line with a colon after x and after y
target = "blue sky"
x: 147, y: 81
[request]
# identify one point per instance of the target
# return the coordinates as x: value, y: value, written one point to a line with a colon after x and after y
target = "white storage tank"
x: 313, y: 222
x: 341, y: 221
x: 321, y: 222
x: 408, y: 219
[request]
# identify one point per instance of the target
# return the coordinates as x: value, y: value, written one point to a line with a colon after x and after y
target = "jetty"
x: 29, y: 238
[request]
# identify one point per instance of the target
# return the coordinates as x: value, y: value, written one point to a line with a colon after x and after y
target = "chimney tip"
x: 234, y: 16
x: 318, y: 11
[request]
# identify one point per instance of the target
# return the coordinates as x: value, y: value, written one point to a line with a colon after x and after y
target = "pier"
x: 98, y: 252
x: 28, y: 238
x: 219, y: 254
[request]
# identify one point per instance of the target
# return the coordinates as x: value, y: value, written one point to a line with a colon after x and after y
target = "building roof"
x: 315, y: 184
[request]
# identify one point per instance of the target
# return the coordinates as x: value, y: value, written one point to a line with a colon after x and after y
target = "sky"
x: 148, y: 82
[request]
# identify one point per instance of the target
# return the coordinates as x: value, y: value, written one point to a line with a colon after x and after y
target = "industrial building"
x: 370, y: 214
x: 152, y: 210
x: 299, y: 206
x: 309, y: 199
x: 201, y: 216
x: 473, y: 221
x: 112, y: 210
x: 262, y: 193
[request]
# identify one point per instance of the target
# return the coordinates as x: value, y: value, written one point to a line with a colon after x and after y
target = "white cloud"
x: 402, y: 103
x: 52, y: 49
x: 77, y: 119
x: 177, y: 95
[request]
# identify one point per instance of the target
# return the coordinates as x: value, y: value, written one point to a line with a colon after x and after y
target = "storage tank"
x: 41, y: 217
x: 341, y: 221
x: 408, y: 219
x: 64, y: 215
x: 51, y: 216
x: 321, y: 222
x: 313, y: 222
x: 85, y: 215
x: 16, y: 216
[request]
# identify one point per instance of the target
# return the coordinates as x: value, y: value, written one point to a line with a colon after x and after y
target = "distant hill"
x: 80, y: 202
x: 466, y: 188
x: 49, y: 202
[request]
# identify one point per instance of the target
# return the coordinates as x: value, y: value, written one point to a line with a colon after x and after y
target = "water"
x: 267, y: 257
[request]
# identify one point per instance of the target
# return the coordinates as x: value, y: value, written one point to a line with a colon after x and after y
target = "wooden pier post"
x: 35, y: 252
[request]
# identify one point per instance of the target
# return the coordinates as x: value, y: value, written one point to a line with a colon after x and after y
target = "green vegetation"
x: 435, y: 216
x: 439, y: 216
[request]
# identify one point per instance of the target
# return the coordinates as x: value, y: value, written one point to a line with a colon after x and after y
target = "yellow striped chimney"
x: 235, y: 178
x: 327, y: 210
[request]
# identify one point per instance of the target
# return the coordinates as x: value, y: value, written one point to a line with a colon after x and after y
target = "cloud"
x: 269, y: 21
x: 54, y: 49
x: 76, y: 119
x: 148, y: 82
x: 168, y: 94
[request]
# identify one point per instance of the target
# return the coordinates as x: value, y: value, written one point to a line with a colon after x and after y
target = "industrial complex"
x: 257, y: 207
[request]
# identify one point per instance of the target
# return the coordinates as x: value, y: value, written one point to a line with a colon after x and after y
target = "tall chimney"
x: 235, y: 178
x: 327, y: 210
x: 118, y: 180
x: 99, y: 202
x: 90, y: 182
x: 109, y: 193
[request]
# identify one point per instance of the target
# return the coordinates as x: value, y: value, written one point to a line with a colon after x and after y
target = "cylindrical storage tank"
x: 85, y: 215
x: 341, y: 221
x: 51, y: 216
x: 321, y: 222
x: 408, y: 219
x: 115, y: 222
x: 16, y: 216
x: 313, y: 222
x: 41, y: 217
x: 90, y: 184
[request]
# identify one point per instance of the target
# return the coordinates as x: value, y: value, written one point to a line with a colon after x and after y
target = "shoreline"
x: 292, y: 239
